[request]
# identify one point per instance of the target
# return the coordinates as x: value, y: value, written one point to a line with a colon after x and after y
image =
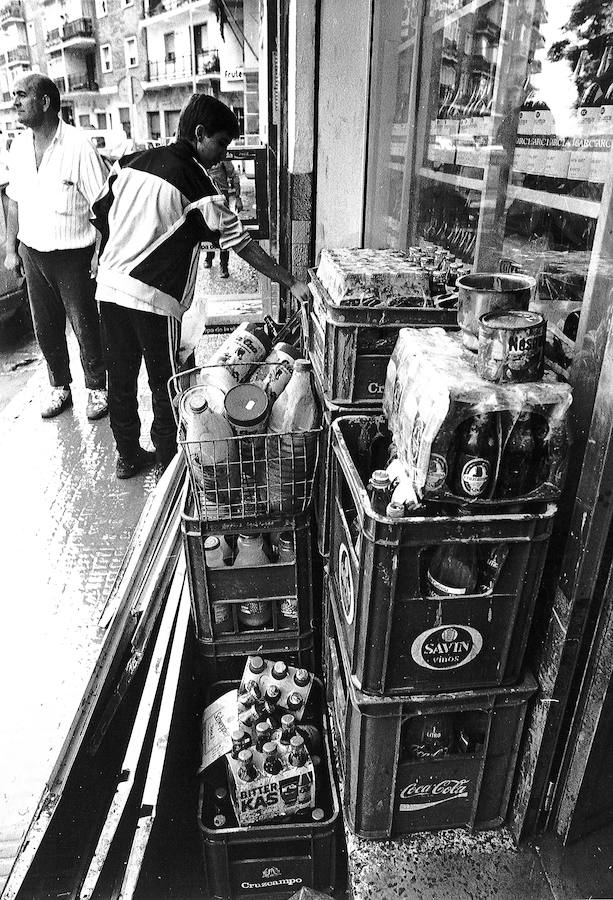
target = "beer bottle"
x: 294, y: 703
x: 288, y: 606
x: 250, y: 552
x: 492, y: 567
x: 271, y: 699
x: 279, y: 670
x: 298, y: 753
x: 263, y: 732
x: 250, y: 696
x: 475, y: 453
x: 517, y: 459
x: 301, y: 678
x: 241, y: 740
x: 272, y: 764
x: 221, y: 807
x: 288, y: 728
x: 429, y: 736
x: 453, y: 570
x: 256, y: 665
x: 247, y: 771
x: 379, y: 491
x: 438, y: 469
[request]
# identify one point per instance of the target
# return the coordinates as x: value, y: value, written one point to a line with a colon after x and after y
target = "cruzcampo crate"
x: 424, y: 763
x: 350, y: 346
x: 403, y: 634
x: 322, y: 491
x: 241, y: 607
x: 273, y: 861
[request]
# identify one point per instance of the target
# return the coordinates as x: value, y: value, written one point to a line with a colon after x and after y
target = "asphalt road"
x: 19, y: 358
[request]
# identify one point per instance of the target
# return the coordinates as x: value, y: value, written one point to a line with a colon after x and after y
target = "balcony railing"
x: 182, y: 67
x: 80, y: 28
x: 82, y: 83
x: 12, y: 10
x: 6, y: 97
x: 157, y: 7
x: 18, y: 54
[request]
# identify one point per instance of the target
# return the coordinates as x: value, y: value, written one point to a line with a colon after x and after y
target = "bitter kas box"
x: 267, y: 797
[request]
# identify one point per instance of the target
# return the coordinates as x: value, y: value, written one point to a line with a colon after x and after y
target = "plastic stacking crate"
x: 248, y: 477
x: 322, y: 500
x: 385, y: 791
x: 350, y: 346
x: 400, y: 639
x: 273, y: 861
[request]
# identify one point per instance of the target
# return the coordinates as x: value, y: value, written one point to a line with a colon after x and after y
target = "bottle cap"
x: 221, y: 794
x: 318, y: 815
x: 246, y: 405
x: 273, y: 692
x: 237, y: 735
x: 379, y: 478
x: 262, y: 728
x: 256, y: 664
x: 296, y: 742
x: 269, y: 748
x: 301, y: 677
x: 219, y: 821
x: 211, y: 543
x: 288, y: 720
x: 197, y: 400
x: 302, y: 365
x: 294, y: 701
x: 245, y: 756
x: 279, y: 670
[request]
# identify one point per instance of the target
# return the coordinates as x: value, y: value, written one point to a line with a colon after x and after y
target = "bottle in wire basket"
x: 222, y: 612
x: 212, y: 455
x: 292, y: 452
x: 252, y: 613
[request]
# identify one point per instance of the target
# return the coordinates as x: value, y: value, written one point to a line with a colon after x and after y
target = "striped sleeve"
x: 232, y: 235
x: 92, y: 172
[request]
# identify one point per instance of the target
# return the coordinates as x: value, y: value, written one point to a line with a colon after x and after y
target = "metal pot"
x: 481, y: 293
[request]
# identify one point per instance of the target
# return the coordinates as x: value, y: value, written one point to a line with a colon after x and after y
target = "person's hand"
x: 12, y: 262
x: 300, y: 291
x: 238, y: 206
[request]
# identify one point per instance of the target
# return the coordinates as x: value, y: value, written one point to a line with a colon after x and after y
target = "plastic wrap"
x: 432, y: 387
x: 367, y: 277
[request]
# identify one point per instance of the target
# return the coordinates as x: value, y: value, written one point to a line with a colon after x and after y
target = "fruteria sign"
x: 231, y: 78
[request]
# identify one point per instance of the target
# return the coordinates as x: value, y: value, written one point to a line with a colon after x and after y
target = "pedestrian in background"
x: 55, y: 174
x: 156, y: 209
x: 227, y: 179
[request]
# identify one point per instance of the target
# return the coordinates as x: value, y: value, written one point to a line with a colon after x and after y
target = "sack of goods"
x: 248, y: 428
x: 271, y: 758
x: 459, y: 437
x: 366, y: 277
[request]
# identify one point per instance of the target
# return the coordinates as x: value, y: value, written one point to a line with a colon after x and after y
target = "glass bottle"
x: 222, y: 612
x: 453, y: 570
x: 250, y: 552
x: 288, y: 606
x: 298, y: 753
x: 515, y: 473
x: 246, y: 771
x: 429, y: 736
x: 272, y: 765
x: 474, y: 457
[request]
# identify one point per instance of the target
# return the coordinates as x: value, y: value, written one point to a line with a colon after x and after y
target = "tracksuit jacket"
x: 154, y: 211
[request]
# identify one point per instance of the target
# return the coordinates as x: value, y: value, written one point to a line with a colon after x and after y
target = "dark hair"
x: 212, y: 114
x: 44, y: 86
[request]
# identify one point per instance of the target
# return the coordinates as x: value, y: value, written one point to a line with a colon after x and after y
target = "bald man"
x: 55, y: 174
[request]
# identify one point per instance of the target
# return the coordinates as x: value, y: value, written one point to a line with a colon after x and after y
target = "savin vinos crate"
x: 402, y: 635
x: 393, y: 785
x: 350, y: 345
x: 273, y: 861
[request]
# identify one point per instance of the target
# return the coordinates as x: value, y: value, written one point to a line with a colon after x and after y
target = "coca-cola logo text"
x: 424, y: 795
x: 446, y: 647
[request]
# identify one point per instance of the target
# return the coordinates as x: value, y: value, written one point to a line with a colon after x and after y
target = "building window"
x: 131, y: 52
x: 153, y: 126
x: 84, y: 122
x: 125, y: 3
x: 101, y: 120
x: 31, y: 28
x: 101, y: 8
x: 169, y: 47
x: 124, y: 120
x: 106, y: 58
x: 171, y: 122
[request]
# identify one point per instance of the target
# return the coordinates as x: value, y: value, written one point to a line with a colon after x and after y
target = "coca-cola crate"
x: 218, y: 595
x: 274, y: 861
x: 242, y: 477
x: 399, y: 639
x: 350, y: 346
x: 386, y: 791
x: 322, y: 494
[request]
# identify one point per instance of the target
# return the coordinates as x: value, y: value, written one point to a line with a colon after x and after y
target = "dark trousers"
x: 129, y: 336
x: 60, y: 286
x: 224, y: 257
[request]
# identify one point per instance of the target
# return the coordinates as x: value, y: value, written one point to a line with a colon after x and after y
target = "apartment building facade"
x: 130, y: 64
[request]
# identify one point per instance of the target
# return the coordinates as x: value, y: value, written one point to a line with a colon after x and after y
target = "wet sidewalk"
x: 66, y: 525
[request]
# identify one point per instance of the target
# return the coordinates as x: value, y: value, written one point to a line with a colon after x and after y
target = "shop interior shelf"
x: 577, y: 205
x: 470, y: 184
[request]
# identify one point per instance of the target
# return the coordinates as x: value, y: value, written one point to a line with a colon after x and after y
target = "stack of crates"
x: 350, y: 347
x: 395, y: 654
x: 222, y: 596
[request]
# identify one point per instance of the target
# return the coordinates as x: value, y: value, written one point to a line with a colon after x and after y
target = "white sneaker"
x: 97, y: 404
x: 58, y: 400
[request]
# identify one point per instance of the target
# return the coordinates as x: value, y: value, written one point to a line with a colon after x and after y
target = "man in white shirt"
x: 55, y: 174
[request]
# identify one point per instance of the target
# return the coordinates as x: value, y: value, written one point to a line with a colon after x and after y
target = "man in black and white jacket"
x: 156, y: 209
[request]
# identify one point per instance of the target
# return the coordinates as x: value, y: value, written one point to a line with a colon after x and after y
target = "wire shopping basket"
x: 248, y: 475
